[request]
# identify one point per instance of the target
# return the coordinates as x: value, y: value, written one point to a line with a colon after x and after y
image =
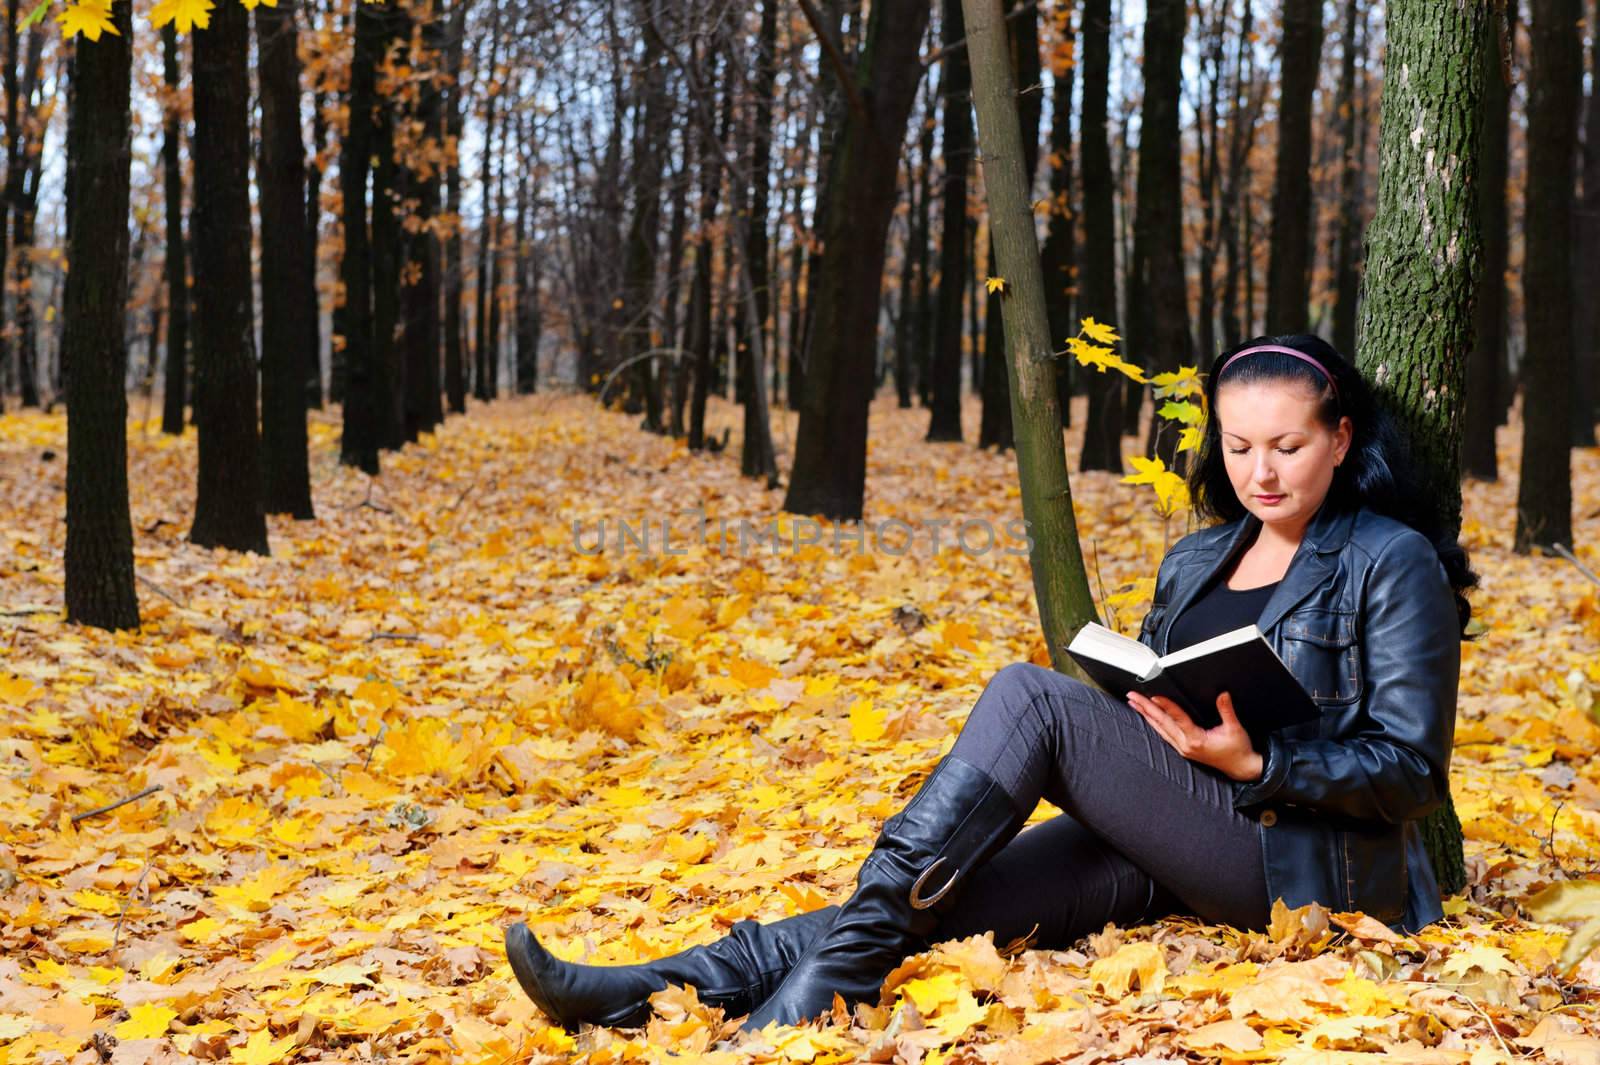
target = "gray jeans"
x: 1146, y: 832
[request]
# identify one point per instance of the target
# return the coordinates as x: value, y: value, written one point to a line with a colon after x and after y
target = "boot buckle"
x: 920, y: 903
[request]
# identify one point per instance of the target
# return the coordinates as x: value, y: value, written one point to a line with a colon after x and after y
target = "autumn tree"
x: 364, y: 385
x: 1544, y: 489
x: 829, y: 474
x: 1022, y: 22
x: 99, y: 550
x: 228, y: 511
x: 1423, y: 249
x: 1288, y: 275
x: 1158, y: 301
x: 1060, y: 581
x: 1102, y: 430
x: 175, y: 398
x: 955, y: 87
x: 280, y: 177
x: 1486, y: 367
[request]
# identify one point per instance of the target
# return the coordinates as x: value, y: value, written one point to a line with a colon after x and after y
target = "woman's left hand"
x: 1226, y: 747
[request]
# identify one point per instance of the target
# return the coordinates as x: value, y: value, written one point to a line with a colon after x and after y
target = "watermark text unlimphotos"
x: 676, y: 533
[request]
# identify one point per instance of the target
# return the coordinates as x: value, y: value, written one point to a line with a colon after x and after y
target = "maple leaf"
x: 1144, y: 962
x: 262, y: 1049
x: 184, y: 14
x: 1185, y: 380
x: 866, y: 723
x: 145, y: 1021
x: 1170, y: 488
x: 995, y: 284
x: 90, y: 18
x: 1182, y: 411
x: 1099, y: 331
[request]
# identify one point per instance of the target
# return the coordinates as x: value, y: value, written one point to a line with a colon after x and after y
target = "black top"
x: 1220, y: 609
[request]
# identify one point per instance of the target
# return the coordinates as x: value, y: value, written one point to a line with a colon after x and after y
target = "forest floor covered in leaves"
x: 430, y: 713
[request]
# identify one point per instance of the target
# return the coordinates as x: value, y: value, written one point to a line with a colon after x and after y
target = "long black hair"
x: 1375, y: 472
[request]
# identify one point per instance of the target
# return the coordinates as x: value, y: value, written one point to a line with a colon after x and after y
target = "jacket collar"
x: 1314, y: 561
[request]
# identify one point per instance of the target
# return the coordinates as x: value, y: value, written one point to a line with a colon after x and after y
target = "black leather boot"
x: 735, y: 972
x: 958, y: 818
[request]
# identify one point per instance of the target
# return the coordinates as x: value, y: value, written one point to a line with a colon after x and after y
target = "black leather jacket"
x: 1366, y: 620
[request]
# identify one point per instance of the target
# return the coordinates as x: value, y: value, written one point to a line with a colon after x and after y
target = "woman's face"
x: 1279, y: 457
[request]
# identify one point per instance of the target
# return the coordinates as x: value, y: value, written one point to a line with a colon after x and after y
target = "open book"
x: 1265, y: 694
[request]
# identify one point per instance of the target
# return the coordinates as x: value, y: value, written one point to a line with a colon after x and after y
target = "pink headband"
x: 1302, y: 356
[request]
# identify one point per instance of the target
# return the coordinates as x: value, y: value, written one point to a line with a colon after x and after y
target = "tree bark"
x: 1347, y: 263
x: 1586, y: 261
x: 1158, y: 239
x: 1102, y: 429
x: 362, y: 425
x: 420, y: 287
x: 1544, y: 492
x: 1423, y: 248
x: 829, y: 475
x: 175, y: 395
x: 1060, y: 254
x: 99, y: 550
x: 639, y: 274
x: 227, y: 510
x: 944, y: 418
x: 483, y: 376
x: 455, y: 369
x: 995, y: 427
x: 1060, y: 582
x: 388, y: 187
x: 1486, y: 366
x: 280, y: 178
x: 1288, y: 272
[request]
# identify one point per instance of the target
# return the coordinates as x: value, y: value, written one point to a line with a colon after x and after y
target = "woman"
x: 1317, y: 544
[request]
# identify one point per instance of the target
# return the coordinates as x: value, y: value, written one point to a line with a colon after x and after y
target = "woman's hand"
x: 1226, y: 747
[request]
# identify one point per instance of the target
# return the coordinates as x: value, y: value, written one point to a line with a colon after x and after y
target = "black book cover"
x: 1266, y: 696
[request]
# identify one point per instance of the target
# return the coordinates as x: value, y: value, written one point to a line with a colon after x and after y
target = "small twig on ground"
x: 337, y: 783
x: 1550, y: 840
x: 27, y: 611
x: 162, y: 592
x: 394, y: 636
x: 1561, y: 549
x: 373, y: 746
x: 127, y: 904
x: 98, y: 810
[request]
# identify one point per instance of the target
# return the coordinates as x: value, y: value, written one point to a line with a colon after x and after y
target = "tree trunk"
x: 944, y: 418
x: 527, y: 349
x: 227, y: 510
x: 1060, y: 254
x: 1241, y: 134
x: 483, y: 369
x: 1060, y: 582
x: 639, y: 276
x: 1424, y: 250
x: 420, y: 287
x: 1347, y: 264
x: 280, y: 178
x: 830, y: 463
x: 388, y: 187
x: 1102, y: 429
x: 455, y: 369
x: 1158, y: 237
x: 99, y: 551
x: 1555, y: 75
x: 757, y: 456
x: 359, y: 446
x: 700, y: 338
x: 995, y: 427
x: 313, y: 218
x: 1288, y: 273
x: 1586, y: 262
x: 1486, y: 367
x: 174, y: 397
